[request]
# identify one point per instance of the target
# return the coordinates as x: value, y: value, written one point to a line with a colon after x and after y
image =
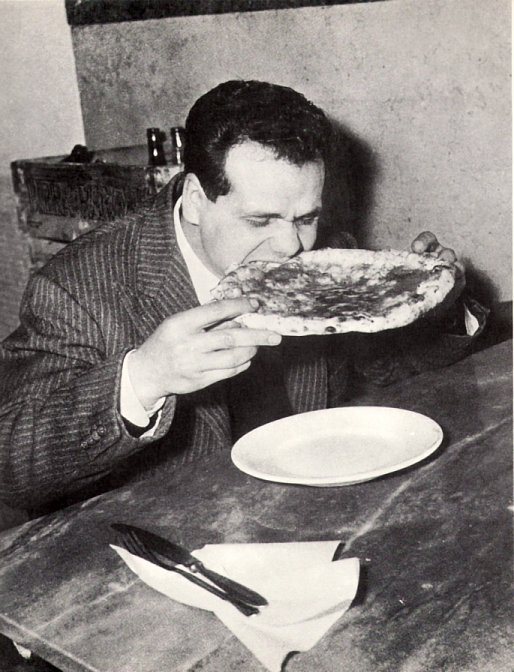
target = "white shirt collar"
x: 204, y: 281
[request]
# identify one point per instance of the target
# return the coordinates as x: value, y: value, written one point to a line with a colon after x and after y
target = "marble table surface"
x: 434, y: 541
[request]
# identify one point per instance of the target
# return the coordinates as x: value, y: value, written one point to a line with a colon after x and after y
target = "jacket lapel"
x: 164, y: 288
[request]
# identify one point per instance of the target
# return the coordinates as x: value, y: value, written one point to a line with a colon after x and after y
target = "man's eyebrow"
x: 278, y: 215
x: 308, y: 215
x: 262, y: 215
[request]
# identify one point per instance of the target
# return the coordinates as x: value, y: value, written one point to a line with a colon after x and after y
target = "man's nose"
x: 286, y: 242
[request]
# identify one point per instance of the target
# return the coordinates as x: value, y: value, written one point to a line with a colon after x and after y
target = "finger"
x: 221, y: 374
x: 231, y: 324
x: 436, y: 250
x: 227, y: 359
x: 425, y: 242
x: 221, y: 339
x: 447, y: 254
x: 462, y: 270
x: 217, y: 311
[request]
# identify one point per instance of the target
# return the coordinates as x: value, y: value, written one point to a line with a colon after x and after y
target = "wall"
x: 39, y: 116
x: 423, y: 86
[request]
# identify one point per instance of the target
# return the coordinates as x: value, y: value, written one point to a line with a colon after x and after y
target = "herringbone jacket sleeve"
x: 371, y: 360
x: 60, y: 426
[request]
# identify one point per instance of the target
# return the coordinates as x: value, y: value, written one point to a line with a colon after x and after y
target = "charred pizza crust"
x: 336, y: 291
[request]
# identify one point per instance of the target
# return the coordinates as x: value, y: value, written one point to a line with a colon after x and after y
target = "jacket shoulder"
x: 111, y: 247
x: 115, y: 251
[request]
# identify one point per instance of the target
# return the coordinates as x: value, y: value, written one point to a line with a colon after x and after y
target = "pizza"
x: 332, y: 291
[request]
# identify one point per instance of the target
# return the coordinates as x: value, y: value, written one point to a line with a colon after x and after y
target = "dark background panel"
x: 84, y: 12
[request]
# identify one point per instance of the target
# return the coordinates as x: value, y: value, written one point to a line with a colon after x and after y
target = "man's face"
x: 270, y: 213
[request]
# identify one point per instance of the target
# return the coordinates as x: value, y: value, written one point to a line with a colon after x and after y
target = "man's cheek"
x: 234, y: 254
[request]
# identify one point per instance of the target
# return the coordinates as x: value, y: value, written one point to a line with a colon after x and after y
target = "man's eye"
x: 258, y: 222
x: 308, y: 221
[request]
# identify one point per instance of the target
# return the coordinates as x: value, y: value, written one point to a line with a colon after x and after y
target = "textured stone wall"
x: 421, y: 91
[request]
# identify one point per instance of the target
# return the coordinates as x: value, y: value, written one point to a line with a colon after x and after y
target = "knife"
x: 179, y: 555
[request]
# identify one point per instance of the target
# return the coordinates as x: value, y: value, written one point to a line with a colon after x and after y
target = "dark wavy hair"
x: 237, y: 111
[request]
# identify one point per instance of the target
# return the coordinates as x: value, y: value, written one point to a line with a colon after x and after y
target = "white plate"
x: 338, y: 446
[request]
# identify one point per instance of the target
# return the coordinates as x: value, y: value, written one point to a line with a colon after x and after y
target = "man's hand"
x: 427, y: 243
x: 194, y: 349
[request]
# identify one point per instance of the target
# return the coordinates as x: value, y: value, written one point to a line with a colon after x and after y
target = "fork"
x: 133, y: 545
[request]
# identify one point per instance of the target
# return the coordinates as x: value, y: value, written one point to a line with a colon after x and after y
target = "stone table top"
x: 434, y: 542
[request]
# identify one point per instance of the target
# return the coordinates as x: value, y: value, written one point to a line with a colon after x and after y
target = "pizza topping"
x: 330, y: 291
x: 290, y: 291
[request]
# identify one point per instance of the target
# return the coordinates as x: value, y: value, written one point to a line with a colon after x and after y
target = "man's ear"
x: 193, y: 199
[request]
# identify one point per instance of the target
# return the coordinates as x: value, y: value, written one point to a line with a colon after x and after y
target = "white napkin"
x: 306, y: 592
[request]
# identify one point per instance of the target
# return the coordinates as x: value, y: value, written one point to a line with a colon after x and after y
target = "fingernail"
x: 274, y: 339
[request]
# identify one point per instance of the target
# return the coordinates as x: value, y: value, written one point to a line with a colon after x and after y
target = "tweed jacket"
x: 60, y: 425
x: 61, y: 432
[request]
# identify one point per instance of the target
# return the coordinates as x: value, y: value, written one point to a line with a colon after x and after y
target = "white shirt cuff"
x: 130, y: 406
x: 471, y: 322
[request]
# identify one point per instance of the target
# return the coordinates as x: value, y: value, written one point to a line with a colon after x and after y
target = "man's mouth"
x: 261, y: 255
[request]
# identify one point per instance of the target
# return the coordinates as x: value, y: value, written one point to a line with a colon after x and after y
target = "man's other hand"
x: 194, y: 349
x: 427, y: 243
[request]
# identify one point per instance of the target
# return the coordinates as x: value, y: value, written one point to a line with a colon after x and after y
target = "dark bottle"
x: 155, y: 139
x: 177, y: 145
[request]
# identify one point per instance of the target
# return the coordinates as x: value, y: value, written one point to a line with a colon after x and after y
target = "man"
x: 122, y: 365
